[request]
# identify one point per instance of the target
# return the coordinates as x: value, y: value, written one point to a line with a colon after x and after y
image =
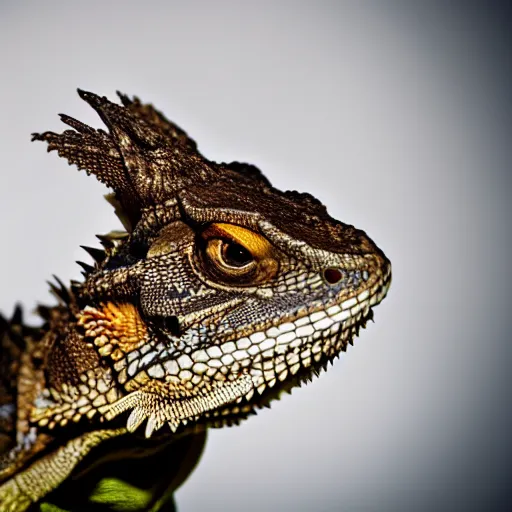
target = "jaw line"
x: 254, y: 388
x: 265, y: 391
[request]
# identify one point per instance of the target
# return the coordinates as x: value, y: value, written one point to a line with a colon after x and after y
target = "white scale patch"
x: 274, y: 353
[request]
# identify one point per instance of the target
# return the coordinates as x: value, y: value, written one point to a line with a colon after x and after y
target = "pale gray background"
x: 398, y: 116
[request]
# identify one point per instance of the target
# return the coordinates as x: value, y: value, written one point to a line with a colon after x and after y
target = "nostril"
x: 170, y: 324
x: 333, y: 275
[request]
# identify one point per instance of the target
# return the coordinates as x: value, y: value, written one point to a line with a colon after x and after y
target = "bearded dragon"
x: 221, y: 293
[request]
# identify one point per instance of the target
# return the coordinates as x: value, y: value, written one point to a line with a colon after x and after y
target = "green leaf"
x: 48, y: 507
x: 120, y: 496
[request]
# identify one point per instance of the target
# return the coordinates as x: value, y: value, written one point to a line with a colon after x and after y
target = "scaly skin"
x: 222, y: 293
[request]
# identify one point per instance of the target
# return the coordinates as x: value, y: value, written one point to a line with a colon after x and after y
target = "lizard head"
x: 224, y: 291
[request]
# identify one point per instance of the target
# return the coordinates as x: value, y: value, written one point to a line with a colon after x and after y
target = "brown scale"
x: 69, y: 357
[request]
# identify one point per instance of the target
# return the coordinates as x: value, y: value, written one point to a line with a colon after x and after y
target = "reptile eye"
x: 229, y: 258
x: 235, y: 255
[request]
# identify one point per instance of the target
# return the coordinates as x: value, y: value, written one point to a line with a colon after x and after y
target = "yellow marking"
x: 115, y: 325
x: 257, y: 244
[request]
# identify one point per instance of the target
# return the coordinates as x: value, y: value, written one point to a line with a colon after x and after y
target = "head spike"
x: 157, y: 121
x: 77, y: 125
x: 60, y: 291
x: 17, y: 316
x: 98, y: 255
x: 88, y: 269
x: 106, y: 241
x: 44, y: 312
x: 144, y: 158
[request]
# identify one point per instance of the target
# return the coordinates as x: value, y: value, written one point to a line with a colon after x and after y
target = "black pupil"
x: 236, y: 255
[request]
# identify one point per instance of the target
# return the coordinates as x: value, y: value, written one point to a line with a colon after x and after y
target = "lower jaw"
x: 267, y: 385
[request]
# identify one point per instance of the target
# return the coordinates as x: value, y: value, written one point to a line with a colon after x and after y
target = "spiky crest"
x: 144, y: 158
